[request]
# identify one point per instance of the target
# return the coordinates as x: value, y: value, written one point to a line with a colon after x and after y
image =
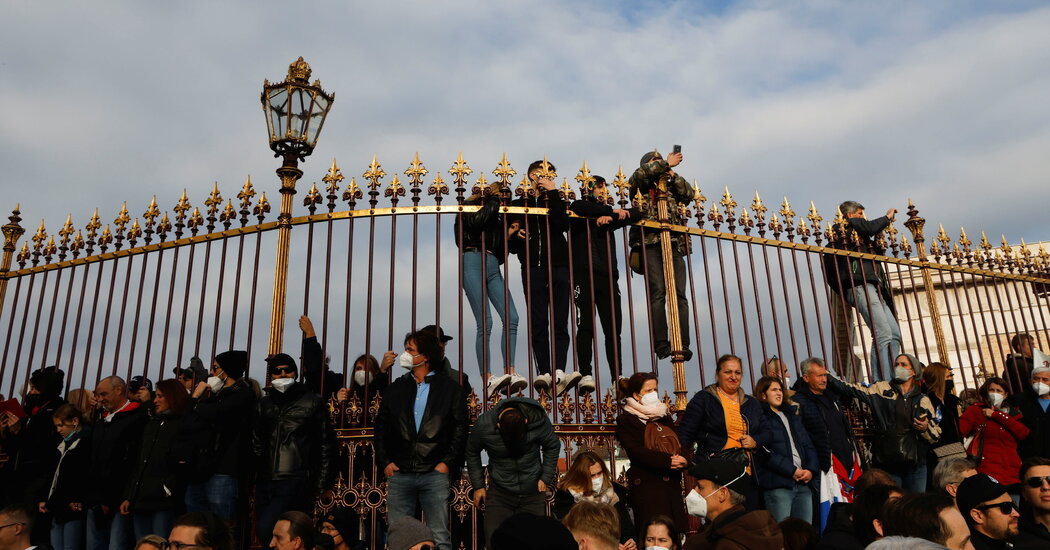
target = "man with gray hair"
x: 862, y: 283
x: 718, y: 496
x: 950, y: 472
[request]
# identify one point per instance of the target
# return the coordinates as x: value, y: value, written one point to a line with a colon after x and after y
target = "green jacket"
x: 645, y: 180
x: 515, y: 471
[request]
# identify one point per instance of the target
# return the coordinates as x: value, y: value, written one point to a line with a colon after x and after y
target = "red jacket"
x: 1001, y: 435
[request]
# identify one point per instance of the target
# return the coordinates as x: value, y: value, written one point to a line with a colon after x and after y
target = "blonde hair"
x: 597, y: 521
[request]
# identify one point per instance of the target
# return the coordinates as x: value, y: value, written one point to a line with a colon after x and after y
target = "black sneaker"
x: 663, y: 351
x: 687, y: 354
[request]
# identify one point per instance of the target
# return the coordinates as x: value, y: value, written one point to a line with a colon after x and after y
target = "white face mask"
x: 215, y: 383
x: 996, y: 399
x: 650, y: 399
x: 362, y: 377
x: 596, y: 484
x: 657, y: 548
x: 407, y: 360
x: 695, y: 504
x: 901, y: 373
x: 282, y: 384
x: 1040, y: 389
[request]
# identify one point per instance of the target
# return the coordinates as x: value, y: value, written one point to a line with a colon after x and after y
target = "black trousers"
x: 546, y: 294
x: 658, y: 296
x: 604, y: 307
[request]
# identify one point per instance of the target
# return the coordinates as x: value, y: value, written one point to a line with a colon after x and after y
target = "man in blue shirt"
x: 420, y: 435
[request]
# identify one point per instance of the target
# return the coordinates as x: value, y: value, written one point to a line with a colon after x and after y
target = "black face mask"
x: 949, y: 386
x: 34, y: 400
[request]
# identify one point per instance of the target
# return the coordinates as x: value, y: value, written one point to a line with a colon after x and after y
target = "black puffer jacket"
x: 825, y: 421
x: 292, y: 437
x: 73, y: 474
x: 443, y: 430
x: 216, y: 434
x: 518, y: 470
x: 484, y: 227
x: 544, y: 235
x: 114, y: 450
x: 153, y: 486
x: 31, y: 452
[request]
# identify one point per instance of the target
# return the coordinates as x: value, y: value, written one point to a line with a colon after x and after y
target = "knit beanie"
x: 48, y: 381
x: 915, y: 364
x: 406, y: 532
x: 233, y: 363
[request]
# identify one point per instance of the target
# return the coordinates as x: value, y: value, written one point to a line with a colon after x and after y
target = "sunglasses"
x: 1036, y: 482
x: 282, y: 370
x: 1005, y: 508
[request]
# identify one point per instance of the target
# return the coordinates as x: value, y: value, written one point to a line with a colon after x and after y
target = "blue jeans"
x: 796, y: 502
x: 153, y: 523
x: 217, y: 495
x: 912, y: 479
x: 490, y: 279
x: 886, y: 340
x: 68, y: 535
x: 112, y: 532
x: 431, y: 490
x: 275, y: 497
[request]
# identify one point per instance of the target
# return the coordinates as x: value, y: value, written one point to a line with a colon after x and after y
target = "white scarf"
x: 645, y: 412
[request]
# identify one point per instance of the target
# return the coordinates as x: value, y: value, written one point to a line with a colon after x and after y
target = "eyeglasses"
x: 281, y: 370
x: 179, y: 546
x: 1005, y: 508
x: 1036, y: 482
x: 12, y: 524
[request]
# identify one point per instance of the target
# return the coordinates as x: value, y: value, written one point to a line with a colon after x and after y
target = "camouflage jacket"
x: 645, y: 180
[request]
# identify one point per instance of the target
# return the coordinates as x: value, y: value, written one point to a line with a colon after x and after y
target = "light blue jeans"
x: 113, y: 532
x: 796, y: 502
x: 68, y: 535
x: 431, y: 490
x: 912, y: 479
x: 489, y: 277
x: 886, y: 341
x: 153, y: 523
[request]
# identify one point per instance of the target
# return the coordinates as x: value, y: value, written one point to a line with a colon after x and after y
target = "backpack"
x: 659, y: 437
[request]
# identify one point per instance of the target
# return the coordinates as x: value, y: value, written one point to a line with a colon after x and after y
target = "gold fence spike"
x: 438, y: 188
x: 814, y: 217
x: 585, y: 179
x: 394, y: 190
x: 964, y: 240
x: 786, y: 212
x: 332, y: 178
x: 353, y: 192
x: 566, y: 190
x: 374, y: 174
x: 460, y: 170
x: 758, y: 208
x: 525, y: 187
x: 504, y: 171
x: 415, y: 171
x: 623, y: 187
x: 727, y: 202
x: 122, y: 219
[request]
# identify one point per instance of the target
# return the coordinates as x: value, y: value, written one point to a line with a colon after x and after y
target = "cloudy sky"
x: 947, y: 103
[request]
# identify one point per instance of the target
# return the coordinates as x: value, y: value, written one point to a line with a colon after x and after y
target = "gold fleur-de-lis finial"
x: 151, y: 213
x: 415, y: 171
x: 480, y: 185
x: 262, y: 208
x: 93, y: 225
x: 23, y: 255
x: 333, y: 178
x: 745, y: 220
x: 545, y: 170
x: 1008, y: 251
x: 122, y: 219
x: 640, y: 201
x: 504, y: 172
x: 228, y: 214
x: 728, y: 202
x: 623, y: 187
x: 78, y: 244
x: 312, y: 198
x: 985, y: 245
x: 438, y: 188
x: 814, y: 217
x: 181, y: 208
x: 756, y: 206
x: 195, y: 220
x: 525, y: 187
x: 964, y: 240
x: 246, y: 194
x: 785, y: 210
x: 891, y: 231
x: 39, y: 238
x: 566, y: 190
x: 67, y: 230
x: 774, y: 224
x: 163, y: 226
x: 1044, y: 257
x: 714, y: 215
x: 374, y: 174
x: 460, y: 170
x: 942, y: 237
x: 353, y: 192
x: 394, y: 190
x: 585, y: 179
x: 214, y: 200
x: 135, y: 232
x: 105, y: 238
x: 1024, y: 250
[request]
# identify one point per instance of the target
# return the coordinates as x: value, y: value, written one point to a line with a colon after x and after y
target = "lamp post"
x: 295, y: 111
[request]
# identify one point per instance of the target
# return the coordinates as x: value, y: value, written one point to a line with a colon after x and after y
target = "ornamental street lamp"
x: 295, y: 111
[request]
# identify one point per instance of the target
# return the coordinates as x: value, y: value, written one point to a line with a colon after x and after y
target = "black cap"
x: 137, y: 382
x: 345, y: 520
x: 648, y: 157
x: 234, y: 363
x: 434, y: 329
x: 724, y: 473
x: 975, y: 490
x: 48, y: 381
x: 281, y: 360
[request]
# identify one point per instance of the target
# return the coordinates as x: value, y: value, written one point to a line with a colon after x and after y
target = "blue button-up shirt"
x: 420, y: 406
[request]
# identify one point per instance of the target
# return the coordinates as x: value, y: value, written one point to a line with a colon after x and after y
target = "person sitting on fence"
x: 989, y: 511
x: 317, y: 374
x: 862, y: 283
x: 293, y: 444
x: 482, y: 240
x: 1034, y: 404
x: 594, y: 525
x: 588, y: 478
x: 523, y: 452
x: 950, y: 472
x: 646, y: 254
x: 1017, y: 369
x: 596, y: 277
x: 1034, y: 525
x: 544, y: 257
x: 718, y: 496
x: 200, y: 530
x: 420, y: 435
x: 996, y: 431
x: 904, y: 422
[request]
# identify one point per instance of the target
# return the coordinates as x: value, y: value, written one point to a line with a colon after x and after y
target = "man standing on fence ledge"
x: 293, y: 445
x: 645, y: 180
x: 862, y: 283
x: 420, y: 433
x: 515, y: 434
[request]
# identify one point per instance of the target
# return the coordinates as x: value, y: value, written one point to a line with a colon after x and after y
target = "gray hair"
x: 736, y: 498
x: 117, y: 383
x: 850, y: 207
x: 807, y: 364
x: 904, y: 543
x: 950, y: 471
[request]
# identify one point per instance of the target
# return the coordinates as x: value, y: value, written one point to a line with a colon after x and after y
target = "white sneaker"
x: 497, y: 382
x: 517, y: 384
x: 567, y: 381
x: 542, y: 382
x: 586, y: 384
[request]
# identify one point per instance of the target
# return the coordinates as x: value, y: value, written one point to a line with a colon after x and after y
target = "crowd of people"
x: 213, y: 459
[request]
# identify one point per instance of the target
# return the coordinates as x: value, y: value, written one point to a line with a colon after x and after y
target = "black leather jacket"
x: 484, y: 227
x: 442, y: 436
x: 293, y: 438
